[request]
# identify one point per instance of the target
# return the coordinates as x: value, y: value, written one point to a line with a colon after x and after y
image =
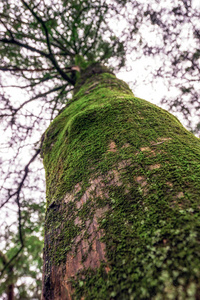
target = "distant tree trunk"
x: 9, y: 283
x: 10, y: 292
x: 123, y: 198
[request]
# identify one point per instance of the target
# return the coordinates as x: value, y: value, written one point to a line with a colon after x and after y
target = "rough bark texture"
x: 123, y: 199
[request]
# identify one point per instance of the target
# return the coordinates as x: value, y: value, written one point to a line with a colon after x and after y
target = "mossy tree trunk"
x: 123, y: 198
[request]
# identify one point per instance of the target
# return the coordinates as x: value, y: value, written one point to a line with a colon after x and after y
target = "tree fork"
x: 123, y: 198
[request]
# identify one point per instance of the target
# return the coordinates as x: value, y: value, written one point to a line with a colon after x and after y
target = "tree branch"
x: 50, y: 56
x: 32, y: 99
x: 16, y: 69
x: 26, y: 170
x: 18, y: 43
x: 42, y: 23
x: 17, y: 193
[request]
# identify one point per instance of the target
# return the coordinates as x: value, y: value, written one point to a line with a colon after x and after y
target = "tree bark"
x: 123, y: 198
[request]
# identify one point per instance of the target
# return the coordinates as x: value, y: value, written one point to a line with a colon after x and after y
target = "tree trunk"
x: 9, y: 282
x: 123, y: 198
x: 10, y: 292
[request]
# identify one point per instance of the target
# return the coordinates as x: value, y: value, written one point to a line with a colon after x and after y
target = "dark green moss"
x: 152, y: 226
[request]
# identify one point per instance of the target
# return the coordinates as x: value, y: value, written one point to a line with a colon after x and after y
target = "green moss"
x: 152, y: 227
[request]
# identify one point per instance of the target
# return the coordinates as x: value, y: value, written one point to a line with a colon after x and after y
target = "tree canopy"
x: 43, y: 44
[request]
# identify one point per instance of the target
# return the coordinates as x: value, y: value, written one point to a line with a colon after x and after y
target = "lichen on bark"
x: 123, y: 198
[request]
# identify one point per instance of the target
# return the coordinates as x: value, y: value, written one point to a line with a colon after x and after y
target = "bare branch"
x: 16, y: 69
x: 18, y: 43
x: 50, y: 56
x: 42, y: 23
x: 17, y: 193
x: 32, y: 99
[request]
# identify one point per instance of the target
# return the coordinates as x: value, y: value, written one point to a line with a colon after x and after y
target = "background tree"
x: 178, y: 44
x: 41, y: 42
